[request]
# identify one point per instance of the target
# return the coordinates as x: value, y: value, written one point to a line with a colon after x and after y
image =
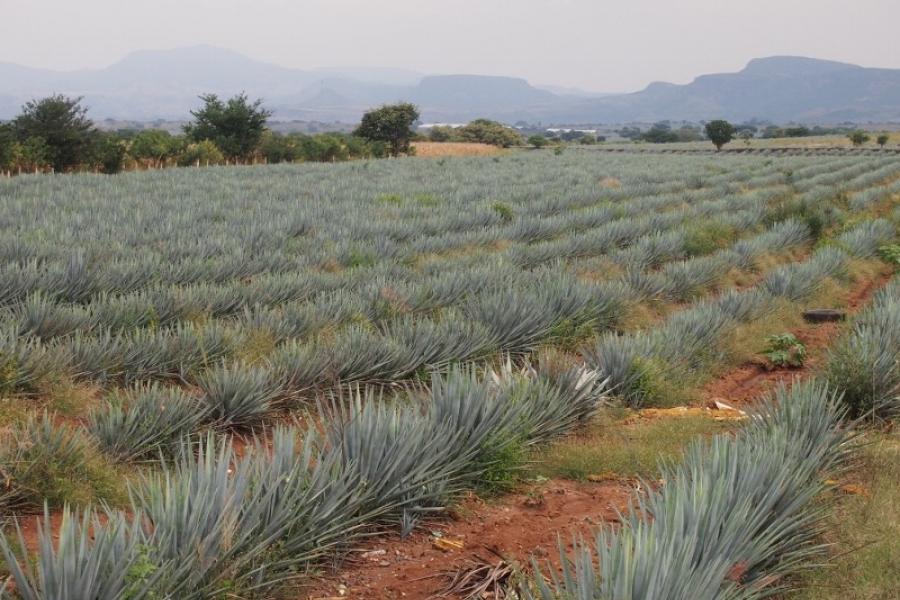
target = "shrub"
x: 785, y: 350
x: 47, y: 463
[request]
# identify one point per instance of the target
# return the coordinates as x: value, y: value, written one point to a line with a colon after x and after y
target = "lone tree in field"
x: 485, y: 131
x: 858, y: 138
x: 391, y: 124
x: 538, y: 141
x: 235, y: 126
x: 719, y: 132
x: 61, y: 124
x: 882, y: 139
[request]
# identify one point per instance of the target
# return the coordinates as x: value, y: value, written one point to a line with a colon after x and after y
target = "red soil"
x: 747, y: 382
x: 520, y: 526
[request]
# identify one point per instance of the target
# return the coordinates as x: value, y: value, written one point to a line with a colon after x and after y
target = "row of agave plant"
x: 128, y: 218
x: 38, y: 291
x: 742, y: 514
x: 88, y: 271
x: 499, y: 319
x: 587, y: 233
x: 735, y: 520
x: 629, y: 244
x: 865, y: 362
x: 213, y: 522
x: 692, y: 339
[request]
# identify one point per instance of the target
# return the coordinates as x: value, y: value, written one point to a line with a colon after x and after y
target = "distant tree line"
x: 54, y: 134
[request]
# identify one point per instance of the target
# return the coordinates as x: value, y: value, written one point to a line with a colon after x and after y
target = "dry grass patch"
x: 617, y: 445
x: 863, y: 530
x: 439, y: 149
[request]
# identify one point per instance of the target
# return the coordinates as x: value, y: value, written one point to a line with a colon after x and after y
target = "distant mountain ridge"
x: 164, y: 84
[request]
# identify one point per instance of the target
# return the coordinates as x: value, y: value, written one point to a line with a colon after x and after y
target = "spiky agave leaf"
x: 146, y: 420
x: 731, y: 521
x: 86, y: 557
x: 394, y: 453
x: 866, y: 361
x: 239, y: 395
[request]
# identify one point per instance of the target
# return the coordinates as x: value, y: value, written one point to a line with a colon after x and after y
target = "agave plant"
x: 239, y: 395
x: 24, y: 362
x: 36, y: 455
x: 146, y: 420
x: 866, y: 362
x: 89, y: 556
x: 732, y: 520
x: 45, y: 319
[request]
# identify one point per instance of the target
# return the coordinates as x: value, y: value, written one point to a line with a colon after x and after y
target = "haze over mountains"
x: 164, y: 84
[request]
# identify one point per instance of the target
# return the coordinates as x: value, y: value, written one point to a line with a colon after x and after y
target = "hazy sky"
x: 603, y: 45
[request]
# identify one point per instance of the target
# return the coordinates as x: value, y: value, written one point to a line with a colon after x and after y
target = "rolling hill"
x: 164, y: 84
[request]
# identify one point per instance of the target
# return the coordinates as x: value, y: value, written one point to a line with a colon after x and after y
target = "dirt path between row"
x: 517, y: 527
x: 743, y: 384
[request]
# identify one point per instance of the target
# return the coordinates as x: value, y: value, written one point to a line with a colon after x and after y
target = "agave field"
x: 216, y: 380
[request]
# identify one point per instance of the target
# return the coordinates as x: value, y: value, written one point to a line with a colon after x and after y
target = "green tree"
x: 538, y: 141
x: 485, y: 131
x: 109, y: 153
x: 153, y: 147
x: 62, y: 125
x: 277, y: 148
x: 719, y: 132
x: 440, y: 134
x: 858, y: 138
x: 32, y: 155
x: 7, y: 148
x: 236, y: 126
x: 391, y: 124
x: 201, y: 154
x: 660, y: 133
x: 882, y: 139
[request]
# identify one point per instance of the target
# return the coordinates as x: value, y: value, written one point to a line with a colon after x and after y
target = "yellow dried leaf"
x: 447, y: 545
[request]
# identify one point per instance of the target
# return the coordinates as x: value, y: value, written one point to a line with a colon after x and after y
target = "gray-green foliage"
x: 866, y: 361
x: 733, y: 519
x: 146, y: 420
x: 213, y: 522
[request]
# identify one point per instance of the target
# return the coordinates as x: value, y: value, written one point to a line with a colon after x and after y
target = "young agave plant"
x: 88, y: 556
x: 146, y: 420
x: 395, y: 453
x: 45, y: 319
x: 23, y: 362
x: 239, y: 395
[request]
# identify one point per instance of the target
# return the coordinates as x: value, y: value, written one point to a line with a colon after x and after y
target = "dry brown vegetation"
x: 438, y: 149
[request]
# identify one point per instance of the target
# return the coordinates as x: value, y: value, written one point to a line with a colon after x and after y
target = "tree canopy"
x: 61, y: 125
x: 858, y: 138
x: 236, y: 126
x: 485, y: 131
x: 719, y: 132
x: 391, y: 124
